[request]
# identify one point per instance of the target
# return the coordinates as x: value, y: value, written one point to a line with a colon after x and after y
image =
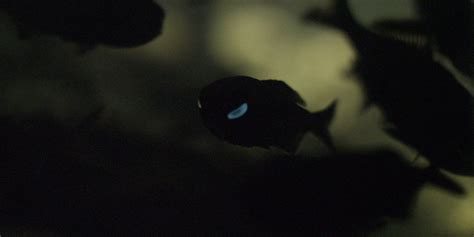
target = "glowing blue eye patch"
x: 239, y: 112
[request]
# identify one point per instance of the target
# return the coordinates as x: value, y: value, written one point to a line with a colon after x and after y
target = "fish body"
x: 449, y: 24
x: 444, y: 26
x: 248, y: 112
x: 427, y: 105
x: 323, y: 197
x: 89, y: 22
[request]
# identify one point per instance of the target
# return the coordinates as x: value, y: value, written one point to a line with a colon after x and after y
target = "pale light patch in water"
x: 271, y: 43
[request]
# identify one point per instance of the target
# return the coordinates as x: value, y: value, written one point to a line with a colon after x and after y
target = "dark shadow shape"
x: 89, y: 22
x: 431, y: 111
x: 343, y: 194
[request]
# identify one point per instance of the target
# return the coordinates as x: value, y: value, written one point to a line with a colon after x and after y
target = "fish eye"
x: 239, y: 112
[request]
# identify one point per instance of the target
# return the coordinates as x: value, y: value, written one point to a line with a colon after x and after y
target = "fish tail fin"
x: 320, y: 121
x: 440, y: 180
x: 339, y: 16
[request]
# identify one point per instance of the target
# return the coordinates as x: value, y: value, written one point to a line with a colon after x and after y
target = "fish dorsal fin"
x: 285, y: 91
x: 402, y: 26
x: 412, y: 32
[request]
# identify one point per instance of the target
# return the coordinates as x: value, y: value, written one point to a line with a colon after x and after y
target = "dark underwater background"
x: 110, y: 141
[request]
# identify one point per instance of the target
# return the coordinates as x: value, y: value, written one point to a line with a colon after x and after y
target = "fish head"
x: 237, y: 110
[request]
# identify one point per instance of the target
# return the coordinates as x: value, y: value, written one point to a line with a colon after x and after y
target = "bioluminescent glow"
x: 239, y: 112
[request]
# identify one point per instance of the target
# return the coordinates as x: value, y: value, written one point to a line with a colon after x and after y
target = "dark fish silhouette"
x: 325, y: 198
x: 450, y: 25
x: 248, y: 112
x: 89, y: 22
x: 443, y: 25
x: 430, y: 109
